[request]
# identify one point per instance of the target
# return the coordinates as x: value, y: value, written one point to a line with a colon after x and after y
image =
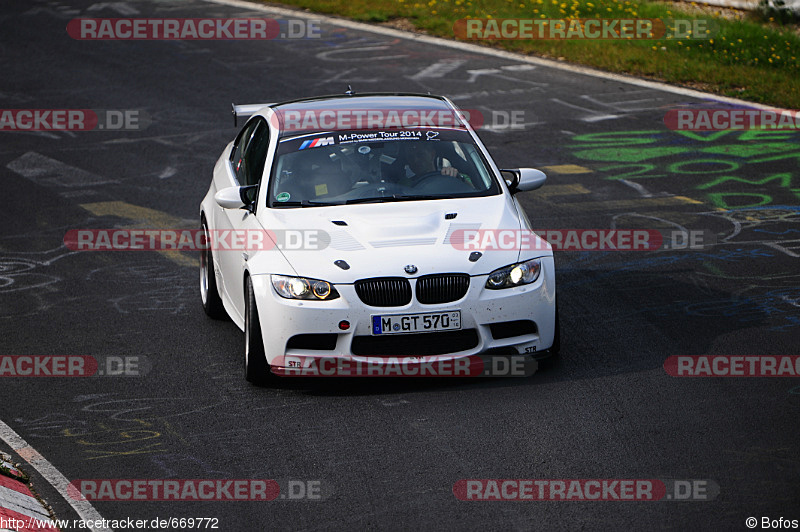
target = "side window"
x: 237, y: 154
x: 255, y: 155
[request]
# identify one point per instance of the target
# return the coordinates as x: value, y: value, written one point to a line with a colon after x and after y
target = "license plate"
x: 415, y: 323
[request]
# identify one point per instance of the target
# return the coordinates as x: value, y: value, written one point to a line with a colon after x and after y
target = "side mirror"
x: 237, y: 197
x: 523, y: 179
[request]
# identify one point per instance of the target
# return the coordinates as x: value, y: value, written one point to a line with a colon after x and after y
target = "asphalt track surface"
x: 386, y: 453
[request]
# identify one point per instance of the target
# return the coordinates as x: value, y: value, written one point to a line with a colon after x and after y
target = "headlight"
x: 302, y: 288
x: 514, y: 275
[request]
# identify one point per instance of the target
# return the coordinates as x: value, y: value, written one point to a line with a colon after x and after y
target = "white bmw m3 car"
x: 372, y: 227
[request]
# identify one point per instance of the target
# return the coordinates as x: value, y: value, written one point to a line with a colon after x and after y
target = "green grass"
x: 746, y: 59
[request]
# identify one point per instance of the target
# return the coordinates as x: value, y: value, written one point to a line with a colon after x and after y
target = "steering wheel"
x: 416, y: 180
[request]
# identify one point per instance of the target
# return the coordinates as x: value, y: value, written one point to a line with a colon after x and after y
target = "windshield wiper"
x: 375, y: 199
x: 397, y: 197
x: 407, y: 197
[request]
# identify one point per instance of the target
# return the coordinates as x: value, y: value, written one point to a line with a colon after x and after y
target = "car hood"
x: 380, y: 239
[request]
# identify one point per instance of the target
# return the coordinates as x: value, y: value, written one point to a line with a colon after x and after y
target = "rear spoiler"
x: 247, y: 110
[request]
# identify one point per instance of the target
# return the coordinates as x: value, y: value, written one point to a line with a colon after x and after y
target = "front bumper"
x: 520, y: 319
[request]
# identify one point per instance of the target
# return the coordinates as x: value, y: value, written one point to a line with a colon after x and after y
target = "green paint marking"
x: 751, y: 150
x: 785, y: 180
x: 677, y: 168
x: 718, y: 199
x: 629, y: 155
x: 761, y: 135
x: 778, y: 157
x: 708, y: 137
x: 636, y: 173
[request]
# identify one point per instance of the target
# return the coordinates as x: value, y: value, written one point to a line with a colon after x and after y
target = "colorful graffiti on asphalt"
x: 713, y: 164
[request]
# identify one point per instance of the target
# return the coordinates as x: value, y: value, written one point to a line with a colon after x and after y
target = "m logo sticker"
x: 316, y: 143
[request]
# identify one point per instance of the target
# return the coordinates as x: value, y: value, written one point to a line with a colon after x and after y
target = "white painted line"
x: 49, y: 172
x: 120, y: 7
x: 637, y: 187
x: 474, y: 48
x: 439, y: 69
x: 734, y: 4
x: 748, y: 5
x: 49, y: 472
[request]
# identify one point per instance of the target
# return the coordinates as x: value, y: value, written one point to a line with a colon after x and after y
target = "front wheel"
x: 556, y: 349
x: 256, y: 369
x: 548, y: 356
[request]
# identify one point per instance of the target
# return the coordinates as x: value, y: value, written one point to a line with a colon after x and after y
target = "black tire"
x: 209, y: 294
x: 549, y: 355
x: 556, y: 348
x: 256, y: 369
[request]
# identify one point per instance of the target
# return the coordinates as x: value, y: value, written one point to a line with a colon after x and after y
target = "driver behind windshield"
x: 417, y: 159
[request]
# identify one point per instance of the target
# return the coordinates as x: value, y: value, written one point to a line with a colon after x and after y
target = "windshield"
x: 366, y: 166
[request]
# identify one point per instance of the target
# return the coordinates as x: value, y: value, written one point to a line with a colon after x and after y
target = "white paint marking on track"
x: 439, y: 69
x: 474, y: 48
x: 123, y: 8
x: 637, y: 187
x: 168, y: 172
x: 49, y: 472
x: 45, y: 171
